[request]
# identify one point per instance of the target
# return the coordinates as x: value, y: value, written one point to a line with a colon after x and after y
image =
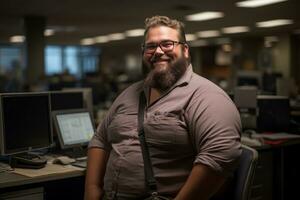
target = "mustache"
x: 155, y: 58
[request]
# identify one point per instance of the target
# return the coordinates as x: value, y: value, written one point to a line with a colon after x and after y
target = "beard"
x: 164, y: 79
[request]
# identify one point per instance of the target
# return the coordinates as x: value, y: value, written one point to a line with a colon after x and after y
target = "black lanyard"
x: 150, y: 180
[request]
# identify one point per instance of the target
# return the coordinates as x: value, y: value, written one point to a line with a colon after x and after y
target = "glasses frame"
x: 156, y: 45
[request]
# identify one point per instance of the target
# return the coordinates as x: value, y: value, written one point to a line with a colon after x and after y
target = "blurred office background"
x: 50, y: 45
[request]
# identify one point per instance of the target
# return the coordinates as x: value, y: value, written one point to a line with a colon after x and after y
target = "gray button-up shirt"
x: 194, y: 122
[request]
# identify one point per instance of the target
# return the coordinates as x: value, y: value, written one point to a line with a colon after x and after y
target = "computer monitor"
x: 25, y: 122
x: 273, y: 113
x: 87, y: 97
x: 63, y: 100
x: 249, y: 78
x: 75, y: 128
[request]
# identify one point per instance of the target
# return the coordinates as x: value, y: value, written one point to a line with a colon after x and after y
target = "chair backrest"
x: 244, y: 174
x: 239, y: 186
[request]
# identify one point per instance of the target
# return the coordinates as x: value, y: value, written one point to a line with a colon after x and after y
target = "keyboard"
x: 30, y: 161
x: 80, y: 163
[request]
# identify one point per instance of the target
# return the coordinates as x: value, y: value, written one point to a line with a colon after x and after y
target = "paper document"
x: 47, y: 170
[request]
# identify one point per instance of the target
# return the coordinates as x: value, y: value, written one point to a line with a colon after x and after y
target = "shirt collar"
x: 186, y: 77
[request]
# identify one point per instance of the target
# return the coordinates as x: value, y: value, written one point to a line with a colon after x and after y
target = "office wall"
x: 295, y: 58
x: 282, y: 55
x: 119, y: 60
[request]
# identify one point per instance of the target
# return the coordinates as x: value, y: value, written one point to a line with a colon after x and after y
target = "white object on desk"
x: 252, y: 142
x: 63, y: 160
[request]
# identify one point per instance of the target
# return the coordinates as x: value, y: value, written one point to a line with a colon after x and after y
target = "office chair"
x: 239, y: 187
x: 244, y: 174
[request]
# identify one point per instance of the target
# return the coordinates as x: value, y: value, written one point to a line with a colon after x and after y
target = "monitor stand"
x: 27, y: 160
x: 76, y: 152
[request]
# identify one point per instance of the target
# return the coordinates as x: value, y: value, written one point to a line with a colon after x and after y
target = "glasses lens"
x: 167, y: 45
x: 150, y: 47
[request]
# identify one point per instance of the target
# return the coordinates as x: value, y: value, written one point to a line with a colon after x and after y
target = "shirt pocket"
x: 166, y: 129
x: 122, y: 127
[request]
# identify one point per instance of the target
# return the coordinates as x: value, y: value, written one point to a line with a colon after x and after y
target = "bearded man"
x: 191, y: 126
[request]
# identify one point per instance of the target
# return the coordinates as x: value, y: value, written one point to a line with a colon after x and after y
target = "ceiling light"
x: 17, y: 39
x: 190, y: 37
x: 257, y: 3
x: 204, y: 16
x: 272, y: 23
x: 235, y: 29
x: 209, y: 33
x: 135, y: 32
x: 101, y: 39
x: 49, y: 32
x: 116, y: 36
x: 87, y: 41
x: 63, y: 28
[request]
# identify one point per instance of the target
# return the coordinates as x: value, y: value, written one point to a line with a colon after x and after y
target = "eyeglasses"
x: 165, y: 46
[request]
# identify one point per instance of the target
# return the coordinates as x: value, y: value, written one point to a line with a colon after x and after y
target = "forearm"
x: 97, y: 159
x: 93, y: 192
x: 201, y: 184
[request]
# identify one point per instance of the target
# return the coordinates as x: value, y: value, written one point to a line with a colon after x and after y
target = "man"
x: 191, y: 127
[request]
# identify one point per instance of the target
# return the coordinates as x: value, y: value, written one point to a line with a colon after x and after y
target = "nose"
x: 158, y: 50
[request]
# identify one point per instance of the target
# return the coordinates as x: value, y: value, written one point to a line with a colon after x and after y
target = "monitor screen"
x: 249, y: 78
x: 74, y: 127
x: 62, y: 100
x: 87, y: 97
x: 25, y: 122
x: 273, y: 113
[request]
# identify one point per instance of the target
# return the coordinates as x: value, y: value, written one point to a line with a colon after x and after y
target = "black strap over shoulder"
x: 150, y: 180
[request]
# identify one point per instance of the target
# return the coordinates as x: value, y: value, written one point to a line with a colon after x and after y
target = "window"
x: 89, y: 58
x: 53, y: 60
x: 72, y: 61
x: 76, y: 59
x: 10, y: 56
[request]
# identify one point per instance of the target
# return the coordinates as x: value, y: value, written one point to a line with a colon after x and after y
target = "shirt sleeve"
x: 100, y: 138
x: 215, y: 126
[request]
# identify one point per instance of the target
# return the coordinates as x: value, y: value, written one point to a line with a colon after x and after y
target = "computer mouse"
x: 63, y: 160
x: 252, y: 142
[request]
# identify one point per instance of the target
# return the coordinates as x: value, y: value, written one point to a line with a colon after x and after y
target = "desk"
x: 276, y: 177
x: 278, y: 172
x: 68, y: 185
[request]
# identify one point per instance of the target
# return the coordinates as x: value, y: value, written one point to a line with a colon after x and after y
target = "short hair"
x: 165, y: 21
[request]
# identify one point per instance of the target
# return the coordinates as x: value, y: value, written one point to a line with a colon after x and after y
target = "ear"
x: 186, y: 50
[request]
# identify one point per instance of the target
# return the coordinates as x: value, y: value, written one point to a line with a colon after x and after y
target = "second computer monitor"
x: 75, y: 128
x: 25, y: 122
x: 63, y: 100
x: 273, y: 113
